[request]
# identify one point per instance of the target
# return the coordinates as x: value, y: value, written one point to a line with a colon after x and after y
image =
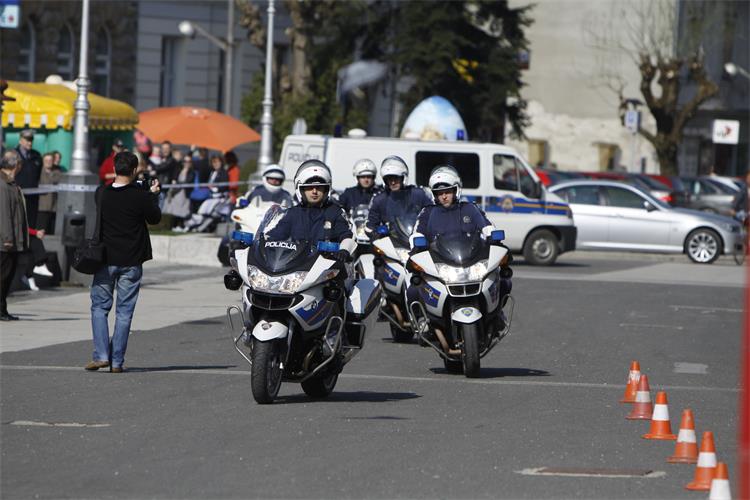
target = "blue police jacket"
x: 356, y: 195
x: 281, y: 197
x: 458, y: 218
x: 389, y: 203
x: 313, y: 224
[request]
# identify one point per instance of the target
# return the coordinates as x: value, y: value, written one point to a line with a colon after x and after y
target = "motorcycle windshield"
x: 462, y: 249
x: 401, y: 224
x: 284, y: 256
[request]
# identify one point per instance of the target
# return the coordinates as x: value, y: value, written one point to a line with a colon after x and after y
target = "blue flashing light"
x: 328, y: 246
x: 244, y: 202
x: 382, y: 230
x: 420, y: 242
x: 242, y: 236
x: 497, y: 235
x: 460, y: 135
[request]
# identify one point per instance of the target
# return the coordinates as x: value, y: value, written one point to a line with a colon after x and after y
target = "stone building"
x: 46, y: 43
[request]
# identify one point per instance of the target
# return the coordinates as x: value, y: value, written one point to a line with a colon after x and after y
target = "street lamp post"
x: 266, y: 120
x: 189, y: 29
x: 80, y: 158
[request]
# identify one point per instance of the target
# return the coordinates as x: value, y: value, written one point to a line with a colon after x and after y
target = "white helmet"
x: 273, y: 171
x: 393, y: 165
x: 364, y: 167
x: 312, y: 173
x: 445, y: 177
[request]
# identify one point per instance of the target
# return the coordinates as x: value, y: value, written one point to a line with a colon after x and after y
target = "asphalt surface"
x: 181, y: 422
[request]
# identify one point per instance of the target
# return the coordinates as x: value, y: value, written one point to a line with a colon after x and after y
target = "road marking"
x: 639, y: 325
x: 32, y: 423
x: 446, y: 378
x: 590, y: 472
x: 693, y: 368
x: 708, y: 309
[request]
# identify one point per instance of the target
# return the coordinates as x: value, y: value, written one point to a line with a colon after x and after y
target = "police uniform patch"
x: 467, y: 219
x: 327, y: 225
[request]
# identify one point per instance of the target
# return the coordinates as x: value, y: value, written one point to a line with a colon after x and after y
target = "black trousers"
x: 8, y: 263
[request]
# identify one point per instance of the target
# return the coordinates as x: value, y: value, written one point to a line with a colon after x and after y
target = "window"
x: 102, y: 63
x: 66, y: 53
x: 619, y: 197
x: 466, y: 164
x: 25, y: 70
x: 510, y: 175
x: 169, y: 55
x: 583, y: 195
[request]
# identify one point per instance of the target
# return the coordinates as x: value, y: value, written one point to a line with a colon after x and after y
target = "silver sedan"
x: 615, y: 216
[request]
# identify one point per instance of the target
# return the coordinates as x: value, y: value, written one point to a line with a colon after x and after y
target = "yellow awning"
x: 44, y: 105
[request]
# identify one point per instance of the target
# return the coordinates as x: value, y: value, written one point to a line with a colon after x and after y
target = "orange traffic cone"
x: 661, y: 427
x: 642, y: 407
x: 686, y: 450
x: 705, y: 470
x: 632, y: 388
x: 720, y: 485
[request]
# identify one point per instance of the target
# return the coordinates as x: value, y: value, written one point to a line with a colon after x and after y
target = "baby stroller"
x: 209, y: 214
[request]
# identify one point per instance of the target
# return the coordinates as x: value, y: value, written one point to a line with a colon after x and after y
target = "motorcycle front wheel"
x: 470, y: 350
x: 265, y: 376
x: 320, y: 387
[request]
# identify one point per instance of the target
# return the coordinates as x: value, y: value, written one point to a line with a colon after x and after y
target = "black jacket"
x: 125, y: 213
x: 29, y: 175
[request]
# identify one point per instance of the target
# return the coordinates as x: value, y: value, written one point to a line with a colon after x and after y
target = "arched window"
x: 25, y: 70
x: 66, y: 48
x: 102, y: 62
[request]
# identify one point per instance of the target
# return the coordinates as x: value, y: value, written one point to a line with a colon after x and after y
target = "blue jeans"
x: 127, y: 280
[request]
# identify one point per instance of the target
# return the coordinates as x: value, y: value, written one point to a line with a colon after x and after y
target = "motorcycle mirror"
x: 420, y: 242
x: 243, y: 237
x: 328, y: 246
x: 244, y: 202
x: 383, y: 230
x: 497, y: 235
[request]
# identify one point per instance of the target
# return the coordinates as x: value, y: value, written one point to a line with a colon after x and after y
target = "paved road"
x: 181, y: 422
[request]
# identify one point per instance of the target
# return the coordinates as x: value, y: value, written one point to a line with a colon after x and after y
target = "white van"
x: 536, y: 222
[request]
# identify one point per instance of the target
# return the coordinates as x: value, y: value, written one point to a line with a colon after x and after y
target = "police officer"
x: 271, y: 190
x: 316, y: 218
x: 449, y: 215
x: 361, y: 194
x: 397, y: 195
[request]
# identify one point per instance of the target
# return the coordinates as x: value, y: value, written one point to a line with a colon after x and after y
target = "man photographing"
x: 125, y: 210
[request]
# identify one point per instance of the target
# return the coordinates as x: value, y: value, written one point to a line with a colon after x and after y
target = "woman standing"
x: 178, y: 199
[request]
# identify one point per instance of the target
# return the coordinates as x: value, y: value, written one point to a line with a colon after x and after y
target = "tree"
x: 465, y: 51
x: 673, y: 78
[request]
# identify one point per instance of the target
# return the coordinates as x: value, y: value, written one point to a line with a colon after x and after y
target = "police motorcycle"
x: 245, y: 217
x: 363, y: 266
x: 460, y: 311
x: 299, y: 322
x: 391, y: 250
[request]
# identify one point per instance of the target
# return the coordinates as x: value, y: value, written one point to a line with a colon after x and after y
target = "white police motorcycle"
x: 301, y: 321
x: 460, y: 311
x: 391, y: 249
x: 363, y: 266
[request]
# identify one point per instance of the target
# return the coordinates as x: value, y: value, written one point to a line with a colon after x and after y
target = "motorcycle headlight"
x: 288, y: 283
x: 453, y: 274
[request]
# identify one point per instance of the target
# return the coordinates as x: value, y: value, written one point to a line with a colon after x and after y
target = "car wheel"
x: 703, y: 246
x: 541, y: 248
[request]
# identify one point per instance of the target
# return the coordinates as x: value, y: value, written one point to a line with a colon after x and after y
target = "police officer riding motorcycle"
x: 356, y: 201
x: 461, y: 277
x: 304, y: 319
x: 390, y: 222
x: 271, y: 190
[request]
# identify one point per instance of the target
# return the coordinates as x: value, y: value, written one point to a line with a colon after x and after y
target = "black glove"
x: 342, y: 256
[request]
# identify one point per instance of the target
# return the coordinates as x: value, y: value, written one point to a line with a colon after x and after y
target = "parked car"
x: 616, y: 216
x: 550, y: 176
x: 731, y: 182
x: 680, y: 192
x: 657, y: 189
x: 708, y: 196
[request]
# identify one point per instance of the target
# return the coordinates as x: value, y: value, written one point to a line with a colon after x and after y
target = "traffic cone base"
x: 720, y: 485
x: 686, y: 449
x: 661, y: 428
x: 631, y: 389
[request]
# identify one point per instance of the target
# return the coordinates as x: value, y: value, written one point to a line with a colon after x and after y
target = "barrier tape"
x: 87, y: 188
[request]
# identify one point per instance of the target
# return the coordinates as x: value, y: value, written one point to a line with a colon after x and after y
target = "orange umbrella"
x: 199, y: 126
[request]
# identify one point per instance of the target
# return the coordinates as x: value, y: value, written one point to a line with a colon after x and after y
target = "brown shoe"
x: 116, y: 369
x: 95, y: 365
